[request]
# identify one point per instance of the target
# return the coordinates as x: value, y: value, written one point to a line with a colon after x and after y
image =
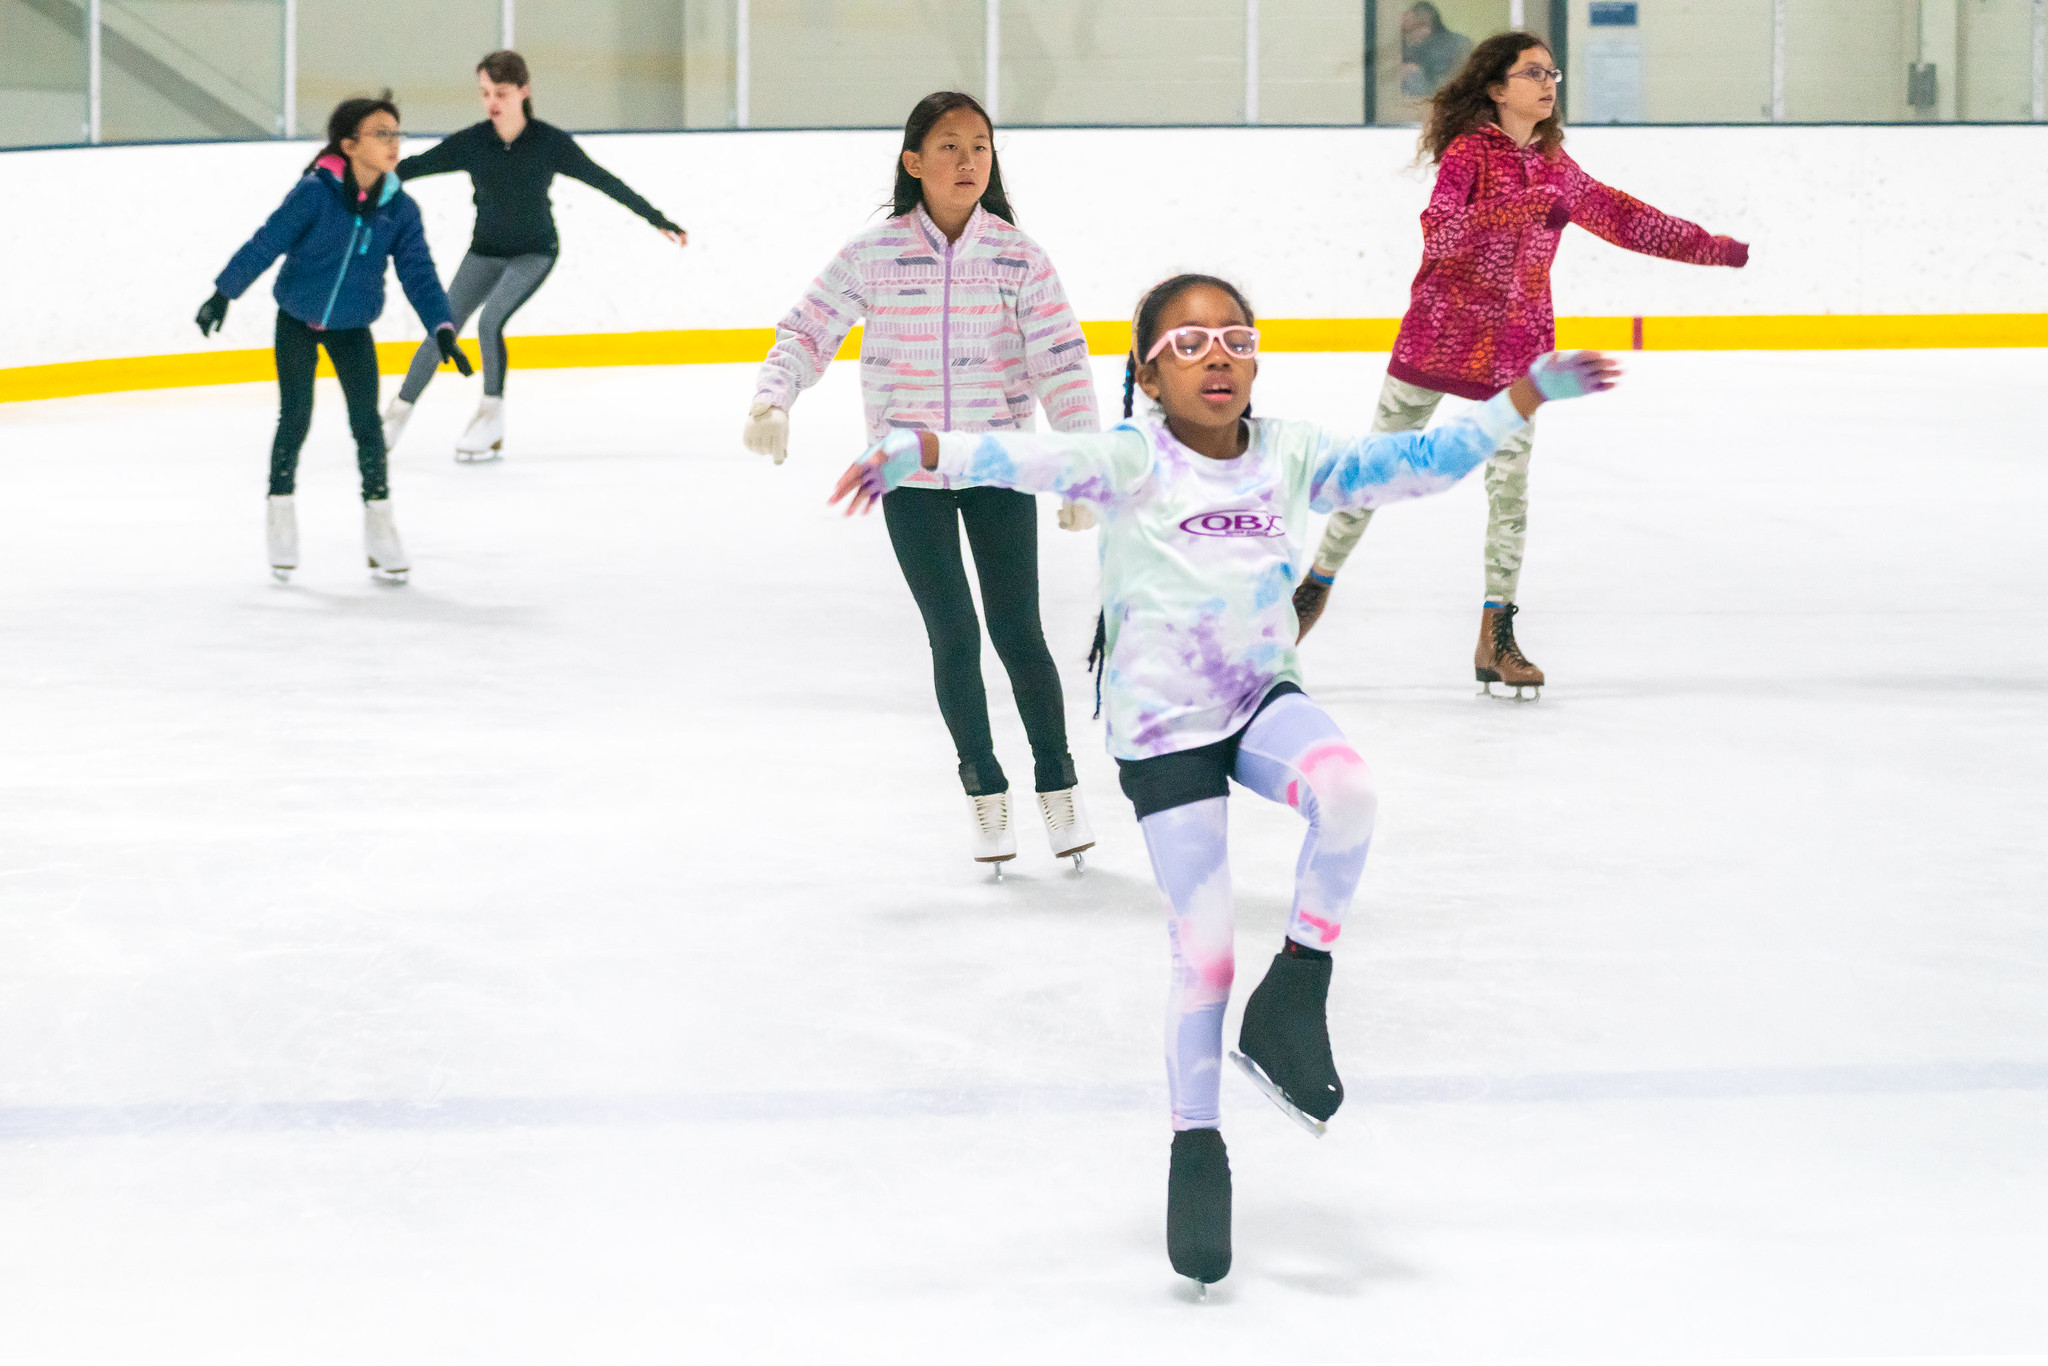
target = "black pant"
x: 1002, y: 530
x: 355, y: 360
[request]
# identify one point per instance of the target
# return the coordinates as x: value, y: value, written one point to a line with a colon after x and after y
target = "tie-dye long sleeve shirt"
x: 960, y: 336
x: 1200, y: 556
x: 1480, y: 310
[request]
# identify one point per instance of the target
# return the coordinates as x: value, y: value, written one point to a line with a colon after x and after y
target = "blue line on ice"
x: 31, y: 1122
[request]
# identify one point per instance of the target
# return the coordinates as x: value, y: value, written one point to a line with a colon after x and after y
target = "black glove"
x: 444, y: 337
x: 212, y: 313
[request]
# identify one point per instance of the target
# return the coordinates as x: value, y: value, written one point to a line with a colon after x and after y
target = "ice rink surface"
x: 572, y: 955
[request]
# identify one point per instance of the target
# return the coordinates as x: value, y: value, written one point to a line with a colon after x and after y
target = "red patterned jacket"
x: 1480, y: 309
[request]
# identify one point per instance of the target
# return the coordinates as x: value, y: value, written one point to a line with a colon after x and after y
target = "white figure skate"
x: 396, y: 414
x: 484, y: 439
x: 380, y: 541
x: 993, y: 838
x: 281, y: 522
x: 1066, y: 825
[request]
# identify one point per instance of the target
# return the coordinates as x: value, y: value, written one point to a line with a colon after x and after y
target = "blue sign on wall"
x: 1613, y: 14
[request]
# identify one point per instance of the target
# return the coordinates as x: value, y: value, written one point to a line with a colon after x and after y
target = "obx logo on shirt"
x: 1242, y: 522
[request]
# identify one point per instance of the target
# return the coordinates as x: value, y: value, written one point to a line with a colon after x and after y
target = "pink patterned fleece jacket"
x: 1480, y: 308
x: 961, y: 336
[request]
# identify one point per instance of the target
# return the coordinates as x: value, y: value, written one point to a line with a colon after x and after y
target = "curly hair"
x: 1463, y: 104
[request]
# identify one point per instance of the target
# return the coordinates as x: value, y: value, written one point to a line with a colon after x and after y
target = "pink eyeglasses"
x: 1192, y: 343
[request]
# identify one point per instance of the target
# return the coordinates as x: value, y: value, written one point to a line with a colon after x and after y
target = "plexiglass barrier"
x: 76, y: 71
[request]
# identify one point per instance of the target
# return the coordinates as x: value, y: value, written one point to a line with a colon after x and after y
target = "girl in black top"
x: 511, y: 157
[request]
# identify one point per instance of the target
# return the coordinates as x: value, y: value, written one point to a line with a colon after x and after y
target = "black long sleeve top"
x: 513, y: 214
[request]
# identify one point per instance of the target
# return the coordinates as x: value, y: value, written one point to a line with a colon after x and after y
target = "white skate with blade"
x: 281, y: 525
x: 396, y: 415
x: 380, y: 541
x: 993, y: 839
x: 484, y: 438
x: 1277, y: 1096
x: 1066, y: 825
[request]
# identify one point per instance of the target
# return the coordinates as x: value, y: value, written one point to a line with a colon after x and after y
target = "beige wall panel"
x: 1845, y: 60
x: 604, y: 63
x: 1123, y: 61
x: 426, y: 51
x: 1311, y: 61
x: 859, y: 63
x: 1995, y: 60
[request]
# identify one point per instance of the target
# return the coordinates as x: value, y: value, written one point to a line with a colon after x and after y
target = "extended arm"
x: 572, y: 161
x: 1628, y: 222
x: 1084, y: 467
x: 279, y: 234
x: 444, y: 156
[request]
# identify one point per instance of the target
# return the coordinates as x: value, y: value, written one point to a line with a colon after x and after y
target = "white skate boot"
x: 380, y: 540
x: 485, y: 437
x: 396, y: 415
x: 1066, y: 824
x: 993, y: 839
x: 281, y: 521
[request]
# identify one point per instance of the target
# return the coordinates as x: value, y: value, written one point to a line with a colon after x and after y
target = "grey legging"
x: 500, y: 284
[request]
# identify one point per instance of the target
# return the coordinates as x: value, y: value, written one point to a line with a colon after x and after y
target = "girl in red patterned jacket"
x: 1480, y: 307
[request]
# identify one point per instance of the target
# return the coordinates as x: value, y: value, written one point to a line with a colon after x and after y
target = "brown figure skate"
x: 1499, y: 660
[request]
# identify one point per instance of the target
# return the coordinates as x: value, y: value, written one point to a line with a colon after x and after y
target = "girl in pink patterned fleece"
x: 967, y: 328
x: 1480, y: 308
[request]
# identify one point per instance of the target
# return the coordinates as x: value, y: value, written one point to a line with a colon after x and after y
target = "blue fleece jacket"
x: 333, y: 272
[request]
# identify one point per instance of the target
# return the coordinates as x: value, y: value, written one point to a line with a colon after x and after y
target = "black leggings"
x: 1002, y: 530
x: 355, y: 360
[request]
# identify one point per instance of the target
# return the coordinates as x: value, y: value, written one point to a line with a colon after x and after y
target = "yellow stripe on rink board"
x: 745, y: 345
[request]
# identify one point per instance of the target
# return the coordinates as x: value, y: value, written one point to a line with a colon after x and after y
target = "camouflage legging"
x: 1406, y: 407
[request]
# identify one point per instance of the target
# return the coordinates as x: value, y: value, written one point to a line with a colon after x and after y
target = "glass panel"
x: 1420, y: 46
x: 604, y: 63
x: 425, y: 51
x: 1311, y: 61
x: 1122, y: 61
x: 1675, y: 61
x: 1995, y: 60
x: 708, y: 56
x: 861, y: 63
x: 1848, y: 62
x: 191, y: 69
x: 42, y: 73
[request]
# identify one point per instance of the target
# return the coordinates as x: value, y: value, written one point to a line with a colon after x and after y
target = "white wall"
x: 118, y: 246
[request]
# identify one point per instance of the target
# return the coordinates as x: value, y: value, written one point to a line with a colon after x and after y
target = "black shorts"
x: 1190, y: 775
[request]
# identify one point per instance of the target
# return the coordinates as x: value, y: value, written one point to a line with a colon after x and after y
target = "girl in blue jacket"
x: 335, y: 230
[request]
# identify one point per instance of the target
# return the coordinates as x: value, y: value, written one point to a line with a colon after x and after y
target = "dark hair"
x: 1429, y: 12
x: 506, y: 67
x: 347, y: 117
x: 1463, y: 104
x: 1145, y: 326
x: 933, y: 107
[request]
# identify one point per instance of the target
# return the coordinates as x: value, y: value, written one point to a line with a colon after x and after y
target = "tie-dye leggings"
x: 1292, y: 752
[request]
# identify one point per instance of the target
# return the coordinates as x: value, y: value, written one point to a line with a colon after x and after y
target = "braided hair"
x: 1145, y: 325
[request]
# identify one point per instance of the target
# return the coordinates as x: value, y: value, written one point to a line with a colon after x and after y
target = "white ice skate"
x: 281, y: 521
x: 396, y: 414
x: 380, y: 541
x: 993, y: 839
x: 485, y: 437
x: 1066, y: 824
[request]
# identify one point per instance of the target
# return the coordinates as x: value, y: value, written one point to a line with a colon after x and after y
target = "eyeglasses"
x: 1192, y: 343
x: 1541, y: 74
x: 384, y: 134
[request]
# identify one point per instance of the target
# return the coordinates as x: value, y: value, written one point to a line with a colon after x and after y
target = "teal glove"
x: 1570, y: 374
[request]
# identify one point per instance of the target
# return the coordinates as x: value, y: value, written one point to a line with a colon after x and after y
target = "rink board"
x: 721, y: 346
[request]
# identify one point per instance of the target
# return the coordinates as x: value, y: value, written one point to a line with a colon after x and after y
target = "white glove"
x: 1076, y: 517
x: 767, y: 431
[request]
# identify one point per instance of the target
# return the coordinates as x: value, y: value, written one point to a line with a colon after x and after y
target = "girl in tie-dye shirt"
x: 1203, y: 509
x: 967, y: 329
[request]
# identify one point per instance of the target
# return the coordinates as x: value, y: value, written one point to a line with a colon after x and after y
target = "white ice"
x: 572, y: 955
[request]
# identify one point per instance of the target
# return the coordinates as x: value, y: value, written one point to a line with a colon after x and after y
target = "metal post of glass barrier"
x: 742, y: 58
x: 2040, y: 60
x: 1777, y: 61
x: 1251, y: 61
x: 93, y: 19
x: 288, y: 77
x: 505, y: 24
x: 991, y: 57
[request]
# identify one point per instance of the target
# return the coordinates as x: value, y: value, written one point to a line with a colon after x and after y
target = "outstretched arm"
x: 1628, y: 222
x: 1385, y: 467
x: 572, y: 161
x: 1081, y: 467
x: 443, y: 157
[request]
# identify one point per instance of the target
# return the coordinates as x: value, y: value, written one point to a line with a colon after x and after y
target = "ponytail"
x: 347, y: 117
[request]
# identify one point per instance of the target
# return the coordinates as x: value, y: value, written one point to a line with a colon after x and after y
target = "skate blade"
x: 282, y: 572
x: 1080, y: 863
x: 1277, y: 1096
x: 496, y: 452
x: 393, y: 577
